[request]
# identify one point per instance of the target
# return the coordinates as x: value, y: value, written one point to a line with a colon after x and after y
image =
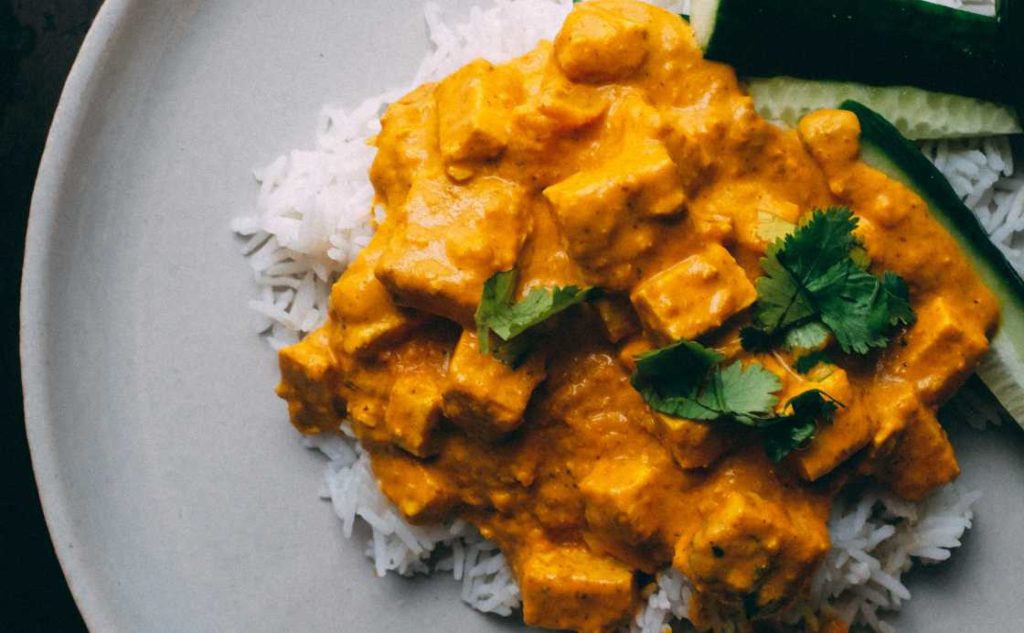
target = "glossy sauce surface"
x: 616, y: 157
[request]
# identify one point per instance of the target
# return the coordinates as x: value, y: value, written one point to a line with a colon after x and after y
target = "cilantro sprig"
x: 688, y: 380
x: 816, y: 283
x: 806, y: 363
x: 497, y: 313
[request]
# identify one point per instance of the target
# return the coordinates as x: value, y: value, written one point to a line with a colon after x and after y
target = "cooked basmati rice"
x: 315, y: 212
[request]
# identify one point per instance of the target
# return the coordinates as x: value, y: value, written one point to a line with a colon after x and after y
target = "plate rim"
x: 61, y: 141
x: 77, y: 99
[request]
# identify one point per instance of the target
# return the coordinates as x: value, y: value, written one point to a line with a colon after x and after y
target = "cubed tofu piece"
x: 367, y: 318
x: 422, y: 493
x: 922, y: 460
x: 617, y: 317
x: 942, y: 351
x: 831, y: 136
x: 413, y: 416
x: 851, y: 429
x: 473, y: 118
x: 694, y: 296
x: 597, y: 45
x: 893, y: 407
x: 650, y: 175
x: 631, y: 348
x: 309, y: 384
x: 753, y: 552
x: 557, y: 503
x: 603, y: 211
x: 692, y: 444
x: 622, y: 496
x: 570, y: 106
x: 406, y: 145
x: 746, y: 212
x: 452, y: 239
x: 483, y: 395
x: 572, y: 588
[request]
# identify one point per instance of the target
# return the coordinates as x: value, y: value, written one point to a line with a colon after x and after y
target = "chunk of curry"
x: 617, y: 157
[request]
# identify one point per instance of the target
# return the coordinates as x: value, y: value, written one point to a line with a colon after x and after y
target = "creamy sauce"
x: 617, y: 157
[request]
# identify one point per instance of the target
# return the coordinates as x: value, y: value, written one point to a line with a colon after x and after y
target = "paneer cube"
x: 406, y: 145
x: 309, y: 384
x: 942, y: 351
x: 831, y: 136
x: 694, y: 296
x: 753, y: 552
x: 473, y: 121
x: 851, y: 429
x: 557, y: 503
x: 569, y: 106
x: 484, y: 396
x: 452, y: 239
x: 622, y: 496
x: 650, y: 175
x: 367, y: 318
x: 572, y: 588
x: 617, y: 318
x: 602, y: 211
x: 413, y: 415
x: 423, y: 494
x: 893, y: 406
x: 692, y: 444
x: 596, y: 45
x: 632, y: 347
x: 745, y: 213
x: 922, y: 460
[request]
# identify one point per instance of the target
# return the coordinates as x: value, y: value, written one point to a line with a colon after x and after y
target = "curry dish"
x: 616, y: 158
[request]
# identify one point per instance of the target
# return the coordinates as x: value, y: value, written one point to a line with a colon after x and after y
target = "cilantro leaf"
x: 781, y: 301
x: 816, y: 282
x: 786, y: 438
x: 747, y: 391
x: 850, y: 303
x: 507, y: 320
x: 685, y: 380
x: 497, y: 296
x: 812, y: 335
x: 756, y: 340
x: 824, y: 241
x: 797, y: 429
x: 897, y: 300
x: 805, y: 364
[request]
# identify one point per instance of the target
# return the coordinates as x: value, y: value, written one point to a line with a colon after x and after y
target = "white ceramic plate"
x: 176, y: 493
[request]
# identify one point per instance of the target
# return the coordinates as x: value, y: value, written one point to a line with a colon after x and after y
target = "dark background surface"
x: 38, y: 43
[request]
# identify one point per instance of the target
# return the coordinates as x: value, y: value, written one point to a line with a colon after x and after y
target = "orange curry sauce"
x: 616, y: 157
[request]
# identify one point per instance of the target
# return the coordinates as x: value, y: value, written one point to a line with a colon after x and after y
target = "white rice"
x: 314, y: 214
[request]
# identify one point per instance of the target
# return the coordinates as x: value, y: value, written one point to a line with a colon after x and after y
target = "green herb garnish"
x: 498, y: 314
x: 688, y: 380
x: 806, y: 363
x: 816, y: 283
x: 798, y: 427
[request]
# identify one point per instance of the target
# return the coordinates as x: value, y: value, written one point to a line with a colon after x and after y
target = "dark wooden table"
x: 38, y: 43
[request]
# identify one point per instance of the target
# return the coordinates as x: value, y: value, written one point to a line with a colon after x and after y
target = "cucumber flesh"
x: 916, y: 113
x: 885, y: 149
x: 1001, y: 371
x: 877, y: 42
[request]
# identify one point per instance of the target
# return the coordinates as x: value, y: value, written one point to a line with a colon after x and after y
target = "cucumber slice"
x: 877, y: 42
x: 885, y: 149
x: 916, y: 113
x: 1001, y: 371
